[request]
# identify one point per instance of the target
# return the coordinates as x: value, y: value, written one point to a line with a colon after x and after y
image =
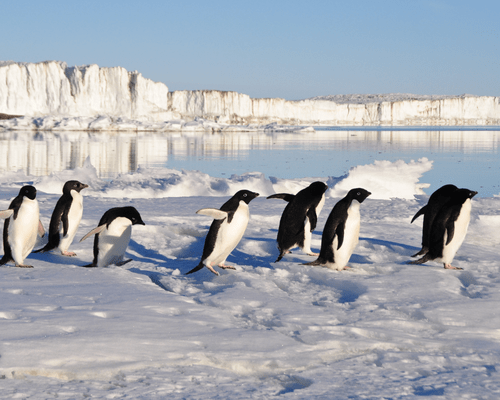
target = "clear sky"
x: 272, y: 48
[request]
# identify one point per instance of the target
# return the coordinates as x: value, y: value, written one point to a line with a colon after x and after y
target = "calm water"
x: 467, y: 158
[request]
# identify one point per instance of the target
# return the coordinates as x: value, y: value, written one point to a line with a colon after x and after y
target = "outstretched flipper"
x: 215, y: 213
x: 420, y: 212
x: 284, y: 196
x: 94, y: 231
x: 6, y: 213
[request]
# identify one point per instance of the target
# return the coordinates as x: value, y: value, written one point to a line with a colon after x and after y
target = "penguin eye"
x: 359, y: 193
x: 244, y: 195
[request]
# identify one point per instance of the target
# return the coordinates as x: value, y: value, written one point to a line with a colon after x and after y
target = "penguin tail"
x: 46, y: 248
x: 422, y: 260
x: 5, y: 259
x: 315, y: 262
x: 195, y: 269
x: 422, y: 252
x: 90, y: 266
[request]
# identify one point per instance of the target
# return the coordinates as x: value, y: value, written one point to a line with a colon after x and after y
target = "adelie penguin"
x: 341, y: 232
x: 112, y: 236
x: 449, y: 228
x: 437, y: 199
x: 299, y: 218
x: 226, y: 231
x: 22, y: 225
x: 65, y: 219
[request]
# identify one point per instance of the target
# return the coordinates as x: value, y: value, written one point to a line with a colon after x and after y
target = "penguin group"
x: 446, y: 219
x: 22, y: 226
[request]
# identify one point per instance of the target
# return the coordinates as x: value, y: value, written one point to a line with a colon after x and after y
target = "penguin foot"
x: 346, y: 268
x: 90, y: 266
x: 449, y: 266
x: 24, y: 266
x: 212, y: 269
x: 68, y: 253
x: 311, y: 253
x: 226, y: 266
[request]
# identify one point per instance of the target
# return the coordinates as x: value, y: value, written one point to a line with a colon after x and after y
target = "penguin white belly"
x: 113, y: 242
x: 74, y: 218
x: 229, y: 235
x: 461, y: 226
x: 351, y: 238
x: 307, y: 227
x: 23, y: 230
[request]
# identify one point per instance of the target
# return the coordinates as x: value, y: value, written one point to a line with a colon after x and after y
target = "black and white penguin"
x: 341, y: 232
x: 22, y: 225
x: 299, y: 218
x: 437, y: 199
x: 65, y: 219
x: 226, y: 231
x: 112, y: 236
x: 449, y: 228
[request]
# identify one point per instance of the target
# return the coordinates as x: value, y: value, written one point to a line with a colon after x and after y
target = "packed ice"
x: 383, y: 329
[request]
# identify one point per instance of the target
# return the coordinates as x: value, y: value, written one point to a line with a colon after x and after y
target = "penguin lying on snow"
x: 429, y: 211
x: 65, y: 218
x: 341, y: 232
x: 299, y: 218
x: 449, y: 228
x: 226, y: 231
x: 22, y: 224
x: 112, y: 236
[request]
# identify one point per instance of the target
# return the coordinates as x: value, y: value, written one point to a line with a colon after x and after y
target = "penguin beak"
x: 84, y: 185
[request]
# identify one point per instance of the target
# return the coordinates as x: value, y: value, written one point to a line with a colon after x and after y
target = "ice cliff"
x: 51, y: 95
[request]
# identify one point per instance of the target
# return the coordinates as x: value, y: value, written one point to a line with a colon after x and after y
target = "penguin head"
x: 28, y: 191
x: 461, y: 195
x: 245, y: 195
x: 318, y: 188
x: 132, y: 214
x: 358, y: 194
x: 73, y: 185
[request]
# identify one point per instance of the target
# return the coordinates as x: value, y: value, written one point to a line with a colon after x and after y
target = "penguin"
x: 449, y: 228
x: 112, y: 236
x: 65, y: 219
x: 440, y: 197
x: 21, y: 227
x: 226, y: 231
x: 299, y: 218
x: 341, y: 232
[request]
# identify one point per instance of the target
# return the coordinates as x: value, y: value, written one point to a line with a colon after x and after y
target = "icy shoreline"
x: 52, y: 96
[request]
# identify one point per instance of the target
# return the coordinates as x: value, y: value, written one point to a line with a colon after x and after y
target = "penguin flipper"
x: 94, y: 231
x: 313, y: 217
x: 284, y: 196
x: 419, y: 213
x: 215, y: 213
x: 6, y: 213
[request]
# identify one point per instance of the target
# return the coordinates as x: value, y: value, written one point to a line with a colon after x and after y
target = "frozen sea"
x: 382, y: 330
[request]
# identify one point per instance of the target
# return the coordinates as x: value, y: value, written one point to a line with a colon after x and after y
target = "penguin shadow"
x: 59, y: 259
x: 147, y: 255
x: 393, y: 246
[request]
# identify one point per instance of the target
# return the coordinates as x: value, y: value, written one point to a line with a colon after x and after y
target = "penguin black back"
x: 436, y: 201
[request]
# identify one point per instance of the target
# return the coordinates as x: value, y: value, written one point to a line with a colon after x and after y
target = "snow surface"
x: 52, y: 96
x: 384, y: 329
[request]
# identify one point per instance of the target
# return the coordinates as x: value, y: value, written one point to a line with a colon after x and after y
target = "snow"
x: 383, y: 329
x: 52, y: 96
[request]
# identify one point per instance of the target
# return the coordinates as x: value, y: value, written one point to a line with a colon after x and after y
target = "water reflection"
x: 285, y: 155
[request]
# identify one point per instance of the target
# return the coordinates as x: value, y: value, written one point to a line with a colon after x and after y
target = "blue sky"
x: 273, y: 48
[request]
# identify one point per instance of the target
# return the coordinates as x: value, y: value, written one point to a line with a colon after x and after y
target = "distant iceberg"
x: 52, y: 96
